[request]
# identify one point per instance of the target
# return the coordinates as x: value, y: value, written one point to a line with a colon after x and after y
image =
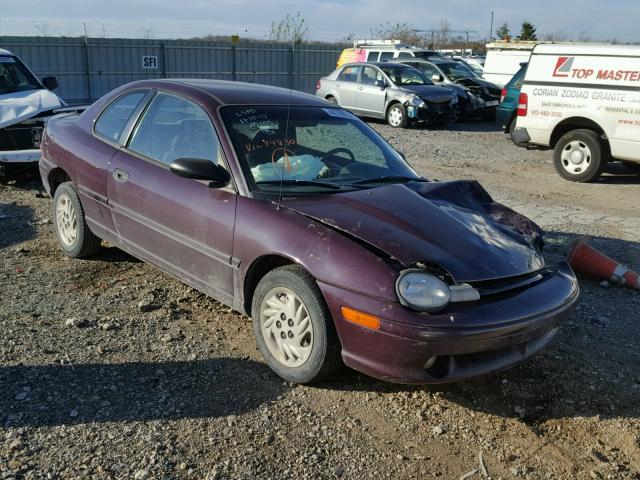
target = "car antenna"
x: 285, y: 157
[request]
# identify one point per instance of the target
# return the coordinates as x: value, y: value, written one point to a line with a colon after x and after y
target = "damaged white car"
x: 26, y: 104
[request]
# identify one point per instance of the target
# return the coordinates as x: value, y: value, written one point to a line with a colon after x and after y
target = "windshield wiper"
x: 302, y: 183
x: 390, y: 179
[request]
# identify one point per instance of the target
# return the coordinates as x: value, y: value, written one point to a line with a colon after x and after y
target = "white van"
x: 584, y: 102
x: 504, y: 59
x: 382, y: 51
x: 26, y: 104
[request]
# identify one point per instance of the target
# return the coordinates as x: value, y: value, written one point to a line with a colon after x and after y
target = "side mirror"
x: 380, y: 83
x: 437, y: 78
x: 50, y: 83
x: 200, y: 169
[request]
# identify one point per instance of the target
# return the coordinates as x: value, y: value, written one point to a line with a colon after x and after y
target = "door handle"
x: 120, y: 175
x: 338, y: 84
x: 360, y: 88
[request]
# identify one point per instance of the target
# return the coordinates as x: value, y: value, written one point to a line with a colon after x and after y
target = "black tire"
x: 332, y: 99
x: 324, y: 357
x: 397, y: 107
x: 595, y: 160
x: 85, y: 242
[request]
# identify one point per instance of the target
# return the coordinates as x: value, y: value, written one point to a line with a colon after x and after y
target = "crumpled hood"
x: 19, y: 106
x: 455, y: 225
x: 433, y: 93
x: 475, y: 82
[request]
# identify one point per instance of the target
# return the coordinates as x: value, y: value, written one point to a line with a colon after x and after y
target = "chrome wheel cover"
x: 66, y: 220
x: 286, y: 327
x: 576, y: 157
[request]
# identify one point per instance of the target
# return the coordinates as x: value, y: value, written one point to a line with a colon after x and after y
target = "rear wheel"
x: 293, y: 327
x: 397, y: 116
x: 332, y: 99
x: 579, y: 156
x: 72, y: 231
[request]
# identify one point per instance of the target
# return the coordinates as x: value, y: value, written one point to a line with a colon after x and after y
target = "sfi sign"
x: 150, y: 62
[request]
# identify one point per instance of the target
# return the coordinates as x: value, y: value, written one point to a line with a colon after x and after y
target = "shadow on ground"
x: 590, y: 368
x: 70, y: 394
x: 16, y: 224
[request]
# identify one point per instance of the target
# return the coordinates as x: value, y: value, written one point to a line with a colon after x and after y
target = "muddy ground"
x: 111, y: 369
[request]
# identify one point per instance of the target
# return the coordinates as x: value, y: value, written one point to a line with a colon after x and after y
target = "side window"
x: 115, y: 117
x: 385, y: 56
x: 372, y: 57
x: 370, y: 75
x: 349, y: 74
x: 428, y: 70
x: 173, y: 128
x: 405, y: 55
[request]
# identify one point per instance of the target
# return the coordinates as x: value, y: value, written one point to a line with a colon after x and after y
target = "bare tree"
x: 559, y: 36
x: 289, y: 30
x: 400, y: 31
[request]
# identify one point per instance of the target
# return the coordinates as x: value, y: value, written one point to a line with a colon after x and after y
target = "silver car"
x: 398, y: 93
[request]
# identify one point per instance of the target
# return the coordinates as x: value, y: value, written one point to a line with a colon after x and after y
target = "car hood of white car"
x: 17, y: 107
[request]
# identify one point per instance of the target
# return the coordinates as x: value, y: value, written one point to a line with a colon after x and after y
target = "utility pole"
x: 491, y: 28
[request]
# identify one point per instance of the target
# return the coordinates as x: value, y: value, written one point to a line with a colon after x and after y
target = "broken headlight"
x: 421, y: 291
x: 414, y: 100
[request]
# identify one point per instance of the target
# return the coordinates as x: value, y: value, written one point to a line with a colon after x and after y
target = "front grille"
x: 21, y: 137
x: 504, y: 285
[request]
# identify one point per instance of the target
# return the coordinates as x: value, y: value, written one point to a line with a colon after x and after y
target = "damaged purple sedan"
x: 298, y: 214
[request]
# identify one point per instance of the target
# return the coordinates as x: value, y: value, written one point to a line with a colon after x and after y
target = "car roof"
x: 227, y: 92
x: 376, y: 64
x: 5, y: 52
x: 587, y: 49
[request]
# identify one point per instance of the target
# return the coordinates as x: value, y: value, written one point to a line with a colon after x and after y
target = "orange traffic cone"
x: 585, y: 259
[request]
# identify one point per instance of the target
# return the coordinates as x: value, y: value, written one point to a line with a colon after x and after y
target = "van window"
x: 115, y: 117
x: 372, y: 57
x: 385, y: 56
x: 349, y: 74
x: 405, y: 55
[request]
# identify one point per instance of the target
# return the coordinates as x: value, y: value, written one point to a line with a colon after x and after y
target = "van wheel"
x: 72, y: 231
x: 397, y: 116
x: 578, y: 156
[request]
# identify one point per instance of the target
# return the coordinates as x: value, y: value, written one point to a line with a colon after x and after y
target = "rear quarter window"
x: 114, y: 118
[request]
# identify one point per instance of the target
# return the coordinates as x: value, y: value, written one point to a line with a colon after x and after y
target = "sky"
x: 327, y: 20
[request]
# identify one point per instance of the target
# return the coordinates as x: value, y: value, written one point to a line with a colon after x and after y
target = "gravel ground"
x: 111, y: 369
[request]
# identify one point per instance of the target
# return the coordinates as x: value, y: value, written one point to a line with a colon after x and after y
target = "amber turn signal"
x: 360, y: 318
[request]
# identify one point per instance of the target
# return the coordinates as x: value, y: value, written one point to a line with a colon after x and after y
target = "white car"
x: 26, y: 104
x: 583, y: 101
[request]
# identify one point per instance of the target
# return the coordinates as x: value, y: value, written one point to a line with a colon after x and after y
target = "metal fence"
x: 88, y: 68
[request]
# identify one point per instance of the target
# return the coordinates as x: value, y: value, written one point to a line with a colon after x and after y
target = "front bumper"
x: 431, y: 113
x: 466, y: 340
x: 19, y: 156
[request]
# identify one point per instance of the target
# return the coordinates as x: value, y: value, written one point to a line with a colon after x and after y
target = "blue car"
x: 506, y: 111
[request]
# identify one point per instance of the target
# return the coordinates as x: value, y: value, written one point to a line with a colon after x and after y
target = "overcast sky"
x: 327, y: 20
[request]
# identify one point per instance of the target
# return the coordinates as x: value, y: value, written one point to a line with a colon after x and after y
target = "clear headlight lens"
x: 421, y: 291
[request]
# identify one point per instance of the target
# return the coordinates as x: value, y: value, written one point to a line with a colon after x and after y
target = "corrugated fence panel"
x: 87, y: 69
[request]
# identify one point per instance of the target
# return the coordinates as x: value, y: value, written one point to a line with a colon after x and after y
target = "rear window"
x: 114, y: 118
x: 349, y: 74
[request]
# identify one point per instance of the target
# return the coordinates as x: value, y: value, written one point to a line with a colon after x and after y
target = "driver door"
x: 371, y: 98
x: 176, y: 223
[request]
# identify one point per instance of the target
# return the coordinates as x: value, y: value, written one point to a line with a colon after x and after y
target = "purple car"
x: 293, y: 211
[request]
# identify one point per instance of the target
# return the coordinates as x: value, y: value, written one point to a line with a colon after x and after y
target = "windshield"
x: 318, y: 150
x: 406, y: 76
x: 456, y: 71
x: 14, y: 76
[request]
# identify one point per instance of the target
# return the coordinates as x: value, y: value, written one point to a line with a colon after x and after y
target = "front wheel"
x: 579, y: 156
x: 293, y: 327
x: 72, y: 231
x: 397, y: 116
